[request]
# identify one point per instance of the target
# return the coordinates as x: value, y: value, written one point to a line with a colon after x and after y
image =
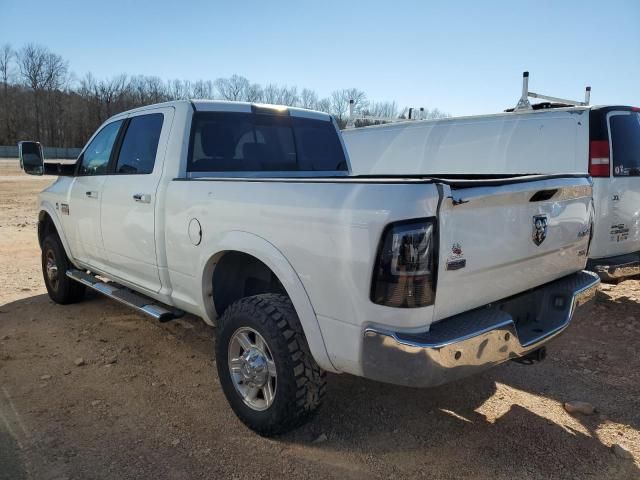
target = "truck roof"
x: 231, y: 106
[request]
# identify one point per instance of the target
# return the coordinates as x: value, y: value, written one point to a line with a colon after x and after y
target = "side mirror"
x: 31, y: 157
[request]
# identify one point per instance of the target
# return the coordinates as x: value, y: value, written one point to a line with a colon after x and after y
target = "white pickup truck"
x: 248, y: 216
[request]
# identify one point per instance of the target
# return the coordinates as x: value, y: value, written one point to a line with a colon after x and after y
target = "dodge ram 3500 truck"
x: 248, y: 216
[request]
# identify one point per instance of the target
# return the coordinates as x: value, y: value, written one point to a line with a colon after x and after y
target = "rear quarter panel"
x: 327, y: 232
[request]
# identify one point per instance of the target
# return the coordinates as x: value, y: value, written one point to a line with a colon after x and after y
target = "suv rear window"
x: 625, y: 141
x: 254, y: 142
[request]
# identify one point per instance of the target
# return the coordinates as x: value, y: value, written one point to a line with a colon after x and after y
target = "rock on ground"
x: 584, y: 408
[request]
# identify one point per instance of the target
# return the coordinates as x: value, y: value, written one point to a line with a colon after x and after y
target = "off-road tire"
x: 301, y: 382
x: 65, y: 290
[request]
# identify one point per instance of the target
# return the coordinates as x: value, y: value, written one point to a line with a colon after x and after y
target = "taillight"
x: 404, y: 274
x: 599, y: 158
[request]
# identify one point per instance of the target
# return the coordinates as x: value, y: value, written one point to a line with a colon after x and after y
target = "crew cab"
x: 249, y: 217
x: 602, y: 141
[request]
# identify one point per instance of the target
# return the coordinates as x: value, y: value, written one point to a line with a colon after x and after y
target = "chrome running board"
x: 124, y: 295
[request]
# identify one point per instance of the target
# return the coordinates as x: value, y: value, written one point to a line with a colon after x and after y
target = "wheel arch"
x: 259, y: 249
x: 48, y: 222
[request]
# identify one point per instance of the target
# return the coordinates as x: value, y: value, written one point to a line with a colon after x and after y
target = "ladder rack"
x: 523, y: 103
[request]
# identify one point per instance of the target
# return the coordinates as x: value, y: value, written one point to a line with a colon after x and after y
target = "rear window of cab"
x: 257, y: 142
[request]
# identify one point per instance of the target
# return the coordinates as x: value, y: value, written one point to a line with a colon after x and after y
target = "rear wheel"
x: 265, y: 367
x: 55, y: 264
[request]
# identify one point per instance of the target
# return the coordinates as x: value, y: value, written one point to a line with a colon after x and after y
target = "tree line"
x: 42, y: 99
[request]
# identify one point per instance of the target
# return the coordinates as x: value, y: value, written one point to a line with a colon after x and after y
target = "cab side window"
x: 95, y: 159
x: 140, y: 145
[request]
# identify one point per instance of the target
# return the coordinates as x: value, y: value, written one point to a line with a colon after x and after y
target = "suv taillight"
x: 404, y: 275
x: 599, y: 158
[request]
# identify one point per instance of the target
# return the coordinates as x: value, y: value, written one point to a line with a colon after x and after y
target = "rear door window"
x: 254, y: 142
x: 140, y: 145
x: 625, y: 144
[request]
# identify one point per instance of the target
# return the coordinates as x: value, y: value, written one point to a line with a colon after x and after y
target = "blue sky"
x: 463, y: 57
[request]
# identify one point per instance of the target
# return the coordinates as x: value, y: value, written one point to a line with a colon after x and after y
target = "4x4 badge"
x: 539, y: 228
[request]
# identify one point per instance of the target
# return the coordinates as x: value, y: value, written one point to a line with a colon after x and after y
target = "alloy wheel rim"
x: 52, y: 269
x: 252, y: 368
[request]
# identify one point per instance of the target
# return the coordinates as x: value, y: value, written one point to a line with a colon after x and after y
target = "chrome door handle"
x: 142, y: 197
x: 91, y: 194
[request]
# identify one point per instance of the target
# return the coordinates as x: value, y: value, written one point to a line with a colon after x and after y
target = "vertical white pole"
x: 587, y: 95
x: 525, y: 85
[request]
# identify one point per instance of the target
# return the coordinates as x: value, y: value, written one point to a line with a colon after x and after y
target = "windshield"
x: 625, y: 139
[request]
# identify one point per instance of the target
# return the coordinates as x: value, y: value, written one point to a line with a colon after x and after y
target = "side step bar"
x: 126, y: 296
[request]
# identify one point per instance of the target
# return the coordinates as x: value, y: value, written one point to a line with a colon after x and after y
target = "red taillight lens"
x: 404, y: 275
x: 599, y: 158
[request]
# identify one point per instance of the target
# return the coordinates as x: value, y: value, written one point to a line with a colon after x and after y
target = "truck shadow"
x: 512, y: 414
x: 11, y: 464
x: 508, y: 416
x: 500, y: 417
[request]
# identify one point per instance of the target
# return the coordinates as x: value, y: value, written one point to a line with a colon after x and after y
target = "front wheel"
x: 266, y: 370
x: 55, y: 264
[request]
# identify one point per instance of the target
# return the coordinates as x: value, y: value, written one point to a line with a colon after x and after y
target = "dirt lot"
x: 147, y: 403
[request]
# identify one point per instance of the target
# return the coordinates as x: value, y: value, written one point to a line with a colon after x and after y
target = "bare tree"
x: 178, y: 89
x: 232, y: 88
x: 324, y: 105
x: 254, y: 93
x: 270, y: 94
x: 203, y: 89
x: 288, y: 96
x: 435, y: 114
x: 110, y: 92
x: 66, y: 110
x: 6, y: 59
x: 340, y: 101
x: 155, y: 91
x: 308, y: 99
x: 41, y: 70
x: 381, y: 109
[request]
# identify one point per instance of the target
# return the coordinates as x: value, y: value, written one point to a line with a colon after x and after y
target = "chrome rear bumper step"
x: 128, y: 297
x: 473, y: 341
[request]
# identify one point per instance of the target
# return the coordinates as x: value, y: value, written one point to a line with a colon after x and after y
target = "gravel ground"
x: 145, y: 401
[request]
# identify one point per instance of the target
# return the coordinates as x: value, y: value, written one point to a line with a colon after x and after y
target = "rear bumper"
x: 614, y: 268
x: 473, y: 341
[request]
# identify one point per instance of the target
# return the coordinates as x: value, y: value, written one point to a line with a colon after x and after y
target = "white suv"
x: 602, y: 141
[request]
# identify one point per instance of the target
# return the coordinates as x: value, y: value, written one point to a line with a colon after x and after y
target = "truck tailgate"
x: 500, y: 239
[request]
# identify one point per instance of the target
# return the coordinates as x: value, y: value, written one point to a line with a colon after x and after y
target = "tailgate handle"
x: 542, y: 195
